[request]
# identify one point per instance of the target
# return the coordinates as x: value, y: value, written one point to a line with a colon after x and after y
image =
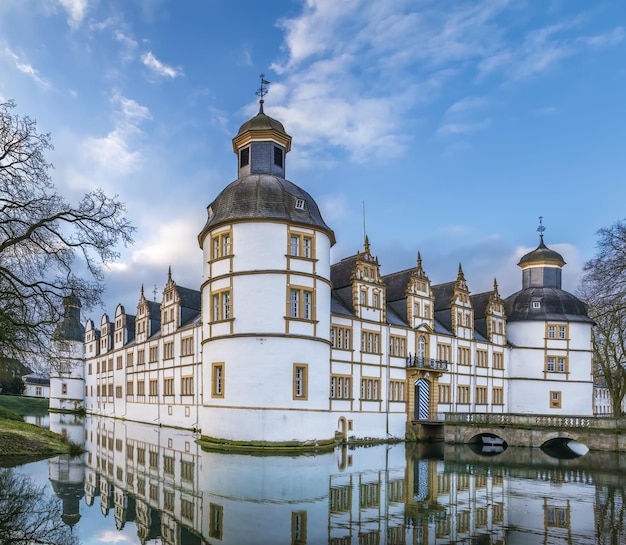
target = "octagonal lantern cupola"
x: 261, y: 146
x: 541, y: 268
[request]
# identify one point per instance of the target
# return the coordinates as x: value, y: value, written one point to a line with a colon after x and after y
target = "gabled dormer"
x: 106, y: 334
x: 369, y: 298
x: 148, y: 319
x: 92, y: 339
x: 170, y: 307
x: 124, y: 327
x: 420, y: 301
x: 461, y: 310
x: 496, y: 317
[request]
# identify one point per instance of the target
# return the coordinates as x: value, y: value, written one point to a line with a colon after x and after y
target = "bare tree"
x: 44, y: 240
x: 604, y: 288
x: 28, y: 515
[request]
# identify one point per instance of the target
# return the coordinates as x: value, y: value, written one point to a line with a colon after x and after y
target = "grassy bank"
x: 32, y: 406
x: 19, y: 439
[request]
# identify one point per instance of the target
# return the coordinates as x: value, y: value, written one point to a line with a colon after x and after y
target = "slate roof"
x: 443, y: 295
x: 259, y: 197
x: 542, y: 253
x: 479, y: 304
x: 556, y: 304
x: 340, y: 273
x: 396, y: 284
x: 261, y: 122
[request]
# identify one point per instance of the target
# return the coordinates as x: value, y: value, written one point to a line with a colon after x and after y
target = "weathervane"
x: 262, y: 91
x: 541, y: 228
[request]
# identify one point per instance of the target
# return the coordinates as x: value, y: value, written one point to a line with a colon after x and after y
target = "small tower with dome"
x: 67, y: 359
x: 265, y: 298
x: 549, y: 330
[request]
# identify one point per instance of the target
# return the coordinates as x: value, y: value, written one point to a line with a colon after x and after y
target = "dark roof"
x: 556, y: 304
x: 541, y: 254
x: 261, y: 197
x: 36, y: 378
x: 396, y: 284
x: 189, y: 298
x: 443, y: 295
x: 341, y: 273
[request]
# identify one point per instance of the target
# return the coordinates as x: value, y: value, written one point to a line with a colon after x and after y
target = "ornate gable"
x: 420, y: 300
x: 495, y: 316
x: 368, y: 288
x: 461, y: 311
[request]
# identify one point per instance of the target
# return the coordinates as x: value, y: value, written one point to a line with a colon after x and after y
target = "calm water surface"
x: 142, y: 484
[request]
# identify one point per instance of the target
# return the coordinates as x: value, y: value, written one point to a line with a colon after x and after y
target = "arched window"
x: 421, y: 347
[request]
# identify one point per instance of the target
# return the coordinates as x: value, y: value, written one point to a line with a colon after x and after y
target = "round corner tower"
x: 265, y: 299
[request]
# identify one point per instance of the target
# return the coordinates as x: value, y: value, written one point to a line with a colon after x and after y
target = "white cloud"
x: 159, y: 68
x: 462, y: 128
x: 128, y: 43
x: 76, y: 10
x: 27, y: 69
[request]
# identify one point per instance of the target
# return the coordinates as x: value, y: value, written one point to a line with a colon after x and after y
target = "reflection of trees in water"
x: 29, y: 515
x: 610, y: 514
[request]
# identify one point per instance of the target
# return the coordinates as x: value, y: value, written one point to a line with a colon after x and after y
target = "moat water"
x: 140, y: 484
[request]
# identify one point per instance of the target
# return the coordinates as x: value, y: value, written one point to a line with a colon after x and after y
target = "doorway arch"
x: 422, y: 399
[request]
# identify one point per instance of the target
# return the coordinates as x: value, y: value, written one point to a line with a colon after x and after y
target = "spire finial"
x: 262, y: 91
x: 367, y: 244
x: 419, y: 260
x: 541, y: 229
x: 169, y: 274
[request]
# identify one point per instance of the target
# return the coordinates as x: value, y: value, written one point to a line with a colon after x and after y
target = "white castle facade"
x: 279, y: 346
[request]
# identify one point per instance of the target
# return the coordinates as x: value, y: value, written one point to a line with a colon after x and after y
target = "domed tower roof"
x: 70, y: 328
x: 541, y: 296
x: 261, y: 191
x: 542, y: 255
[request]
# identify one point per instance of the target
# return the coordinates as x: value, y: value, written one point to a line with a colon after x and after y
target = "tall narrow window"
x: 221, y: 306
x: 218, y: 380
x: 300, y: 380
x: 301, y: 304
x: 278, y: 157
x: 244, y: 157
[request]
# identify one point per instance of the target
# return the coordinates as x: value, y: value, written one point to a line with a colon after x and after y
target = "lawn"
x: 25, y: 406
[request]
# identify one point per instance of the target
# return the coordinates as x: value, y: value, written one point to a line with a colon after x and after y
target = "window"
x: 216, y: 517
x: 481, y: 395
x: 301, y: 304
x: 498, y: 360
x: 444, y: 393
x: 168, y: 386
x: 444, y: 352
x: 118, y: 362
x: 370, y: 342
x: 186, y: 386
x: 301, y: 245
x: 369, y: 494
x: 375, y: 299
x: 64, y: 389
x: 562, y: 332
x: 498, y: 395
x: 298, y: 528
x: 340, y: 387
x: 186, y: 346
x: 168, y: 351
x: 221, y: 245
x: 481, y: 358
x: 370, y: 388
x: 363, y: 297
x: 154, y: 387
x: 141, y: 388
x: 396, y: 390
x: 278, y: 157
x: 299, y: 204
x: 154, y: 458
x: 129, y: 359
x: 221, y: 306
x: 341, y: 338
x: 556, y: 364
x: 168, y: 500
x: 300, y: 380
x: 555, y: 400
x: 464, y: 356
x: 118, y: 392
x: 551, y: 332
x: 536, y: 304
x: 397, y: 346
x: 217, y: 377
x: 168, y: 465
x: 141, y: 456
x: 463, y: 394
x: 186, y: 509
x: 244, y: 157
x: 186, y: 470
x: 129, y: 388
x: 556, y: 331
x: 340, y: 499
x: 154, y: 354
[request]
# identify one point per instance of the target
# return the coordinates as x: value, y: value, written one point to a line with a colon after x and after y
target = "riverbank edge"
x: 20, y: 439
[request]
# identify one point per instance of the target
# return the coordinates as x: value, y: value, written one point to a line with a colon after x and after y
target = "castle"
x: 280, y: 346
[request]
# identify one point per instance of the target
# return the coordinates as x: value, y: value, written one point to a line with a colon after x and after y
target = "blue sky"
x: 457, y: 124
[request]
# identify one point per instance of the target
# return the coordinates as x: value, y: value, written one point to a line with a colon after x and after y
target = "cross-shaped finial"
x: 541, y: 228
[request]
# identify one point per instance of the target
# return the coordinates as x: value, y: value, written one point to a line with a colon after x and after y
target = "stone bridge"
x: 526, y: 430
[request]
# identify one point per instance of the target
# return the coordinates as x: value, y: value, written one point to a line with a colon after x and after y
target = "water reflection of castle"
x: 176, y: 493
